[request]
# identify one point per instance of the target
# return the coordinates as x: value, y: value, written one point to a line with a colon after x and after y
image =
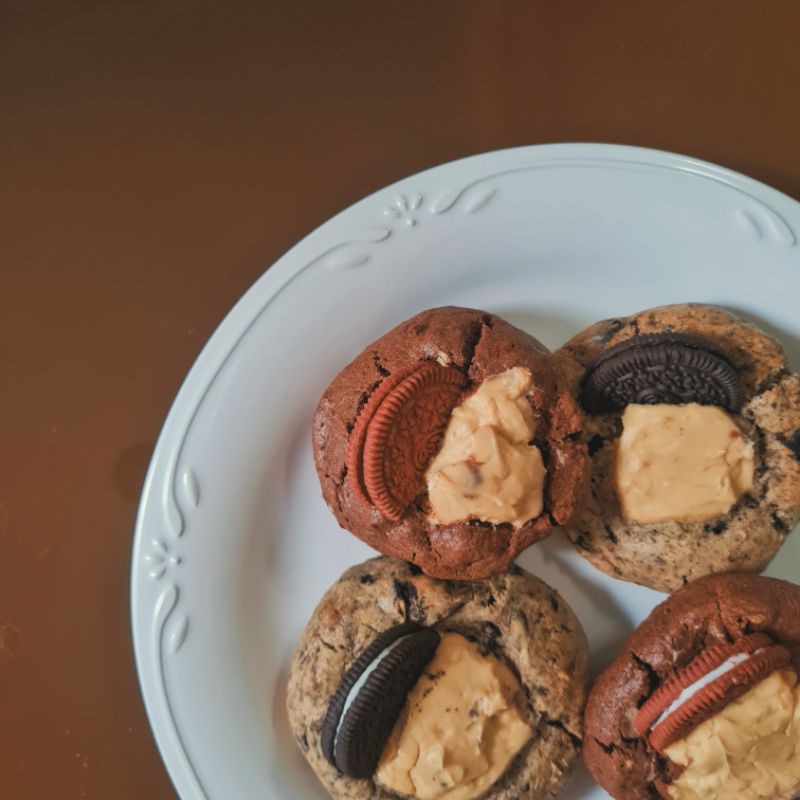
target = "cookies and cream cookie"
x: 693, y: 428
x: 406, y: 686
x: 703, y: 702
x: 450, y: 442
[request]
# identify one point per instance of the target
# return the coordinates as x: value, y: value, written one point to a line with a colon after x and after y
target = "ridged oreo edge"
x: 656, y: 339
x: 661, y: 368
x: 714, y: 697
x: 707, y: 661
x: 350, y: 678
x: 355, y: 443
x: 431, y: 392
x: 368, y: 722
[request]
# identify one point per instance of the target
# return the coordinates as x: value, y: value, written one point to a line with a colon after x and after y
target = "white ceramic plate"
x: 234, y: 545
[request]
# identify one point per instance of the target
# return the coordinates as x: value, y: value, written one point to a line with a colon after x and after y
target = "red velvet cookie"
x: 381, y: 421
x: 727, y: 632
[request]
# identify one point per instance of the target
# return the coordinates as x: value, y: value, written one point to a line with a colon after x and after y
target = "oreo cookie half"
x: 661, y: 368
x: 365, y: 707
x: 398, y: 432
x: 710, y: 682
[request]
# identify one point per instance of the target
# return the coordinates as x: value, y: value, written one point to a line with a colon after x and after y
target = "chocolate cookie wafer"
x: 661, y: 368
x: 365, y: 706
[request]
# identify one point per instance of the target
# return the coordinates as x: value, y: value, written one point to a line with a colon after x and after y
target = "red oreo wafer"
x: 707, y: 661
x: 355, y: 444
x: 714, y: 697
x: 397, y: 434
x: 764, y: 658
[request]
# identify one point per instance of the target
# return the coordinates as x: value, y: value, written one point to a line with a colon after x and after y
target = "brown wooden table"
x: 155, y: 157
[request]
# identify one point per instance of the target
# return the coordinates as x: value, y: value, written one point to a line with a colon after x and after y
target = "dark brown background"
x: 155, y: 157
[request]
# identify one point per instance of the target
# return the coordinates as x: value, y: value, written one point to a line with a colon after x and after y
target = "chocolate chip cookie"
x: 450, y: 442
x: 692, y: 426
x: 703, y: 702
x: 406, y: 685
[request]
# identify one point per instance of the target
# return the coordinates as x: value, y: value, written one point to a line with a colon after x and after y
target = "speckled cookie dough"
x: 512, y: 615
x: 667, y: 555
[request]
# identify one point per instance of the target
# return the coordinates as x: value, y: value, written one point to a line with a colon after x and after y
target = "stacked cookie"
x: 666, y: 446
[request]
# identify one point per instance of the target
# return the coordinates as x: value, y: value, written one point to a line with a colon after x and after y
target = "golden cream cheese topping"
x: 748, y: 751
x: 687, y: 463
x: 485, y: 468
x: 460, y: 727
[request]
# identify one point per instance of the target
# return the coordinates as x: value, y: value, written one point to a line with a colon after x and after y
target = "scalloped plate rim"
x: 224, y: 341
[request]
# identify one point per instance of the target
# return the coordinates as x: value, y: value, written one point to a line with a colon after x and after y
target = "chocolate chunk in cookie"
x: 364, y: 708
x: 792, y: 444
x: 661, y: 368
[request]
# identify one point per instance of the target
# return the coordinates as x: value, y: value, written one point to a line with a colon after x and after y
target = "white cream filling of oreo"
x: 690, y: 691
x: 358, y: 685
